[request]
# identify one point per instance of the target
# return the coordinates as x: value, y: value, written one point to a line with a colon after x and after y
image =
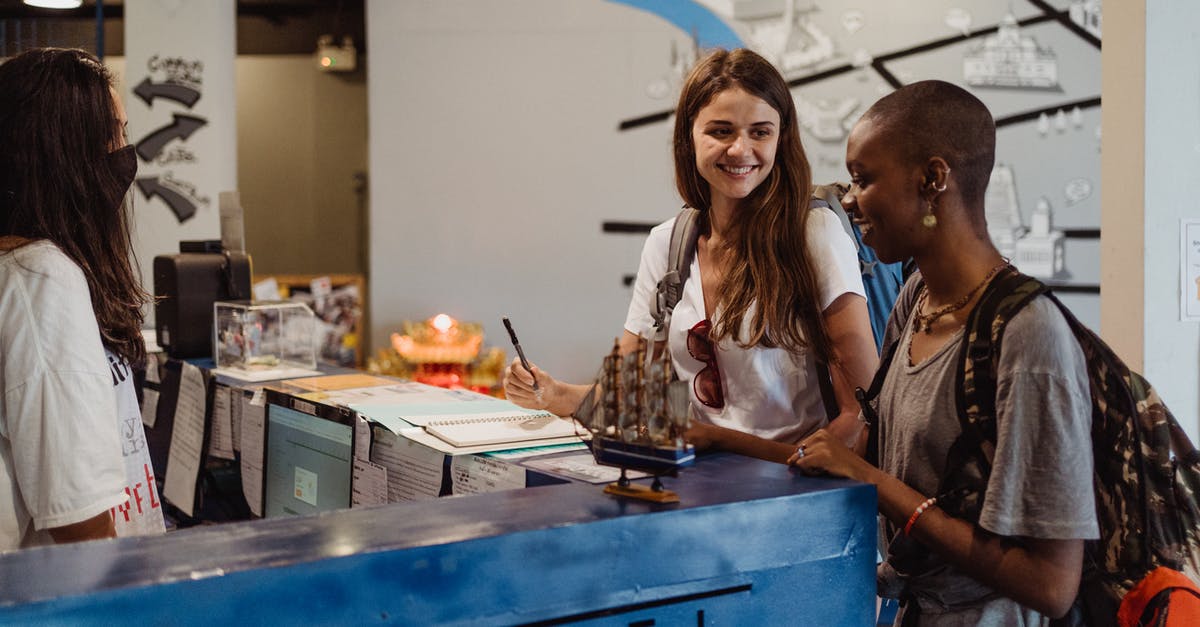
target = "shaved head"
x: 939, y: 119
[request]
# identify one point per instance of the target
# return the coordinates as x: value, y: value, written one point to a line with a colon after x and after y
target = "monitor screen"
x: 308, y: 460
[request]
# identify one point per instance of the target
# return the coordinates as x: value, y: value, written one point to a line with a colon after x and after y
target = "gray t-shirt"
x: 1041, y: 481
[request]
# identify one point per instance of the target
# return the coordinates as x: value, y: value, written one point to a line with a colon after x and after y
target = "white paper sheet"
x: 362, y: 438
x: 419, y: 413
x: 235, y: 416
x: 220, y: 440
x: 580, y: 467
x: 187, y: 439
x: 267, y: 289
x: 152, y: 366
x: 258, y: 376
x: 370, y: 484
x: 475, y: 474
x: 537, y: 451
x: 418, y: 434
x: 253, y: 418
x: 414, y: 471
x: 149, y: 407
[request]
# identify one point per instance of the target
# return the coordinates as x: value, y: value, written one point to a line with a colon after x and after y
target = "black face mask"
x: 123, y: 163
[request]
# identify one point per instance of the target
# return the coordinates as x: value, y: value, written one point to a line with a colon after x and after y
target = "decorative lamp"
x: 439, y: 349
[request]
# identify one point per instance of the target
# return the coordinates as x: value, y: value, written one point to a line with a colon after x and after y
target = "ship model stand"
x: 637, y: 412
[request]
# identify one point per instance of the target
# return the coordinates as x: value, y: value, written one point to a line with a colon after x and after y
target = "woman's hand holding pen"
x: 552, y: 395
x: 519, y: 386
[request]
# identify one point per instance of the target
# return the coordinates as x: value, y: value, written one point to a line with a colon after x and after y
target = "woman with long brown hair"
x: 774, y: 287
x: 70, y: 308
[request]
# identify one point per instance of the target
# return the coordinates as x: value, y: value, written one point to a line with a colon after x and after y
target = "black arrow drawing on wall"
x: 181, y: 128
x: 148, y: 91
x: 180, y: 205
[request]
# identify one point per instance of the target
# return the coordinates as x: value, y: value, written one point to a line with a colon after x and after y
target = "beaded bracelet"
x: 917, y: 514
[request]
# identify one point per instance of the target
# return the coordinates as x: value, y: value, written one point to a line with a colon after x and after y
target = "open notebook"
x: 500, y: 428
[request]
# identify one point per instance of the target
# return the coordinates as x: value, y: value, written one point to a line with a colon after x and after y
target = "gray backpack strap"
x: 684, y: 234
x: 829, y: 196
x: 832, y: 194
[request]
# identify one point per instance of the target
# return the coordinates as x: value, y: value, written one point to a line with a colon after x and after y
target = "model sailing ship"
x: 637, y: 412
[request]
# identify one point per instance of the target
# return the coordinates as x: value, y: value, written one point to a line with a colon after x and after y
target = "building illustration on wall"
x: 1036, y: 65
x: 1008, y: 59
x: 1040, y: 251
x: 827, y: 120
x: 1003, y: 210
x: 1087, y: 14
x: 1036, y: 250
x: 790, y: 39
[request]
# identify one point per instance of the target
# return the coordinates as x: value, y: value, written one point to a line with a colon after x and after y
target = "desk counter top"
x: 743, y: 528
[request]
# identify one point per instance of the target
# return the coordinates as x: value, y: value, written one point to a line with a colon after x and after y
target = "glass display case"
x: 263, y: 335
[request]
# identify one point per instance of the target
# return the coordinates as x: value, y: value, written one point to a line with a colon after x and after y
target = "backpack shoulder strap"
x: 684, y: 234
x: 881, y: 281
x: 831, y: 194
x: 866, y: 398
x: 866, y: 401
x: 969, y: 460
x: 823, y: 197
x: 1004, y: 296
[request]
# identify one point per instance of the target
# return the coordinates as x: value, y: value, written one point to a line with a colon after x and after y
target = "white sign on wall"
x: 1189, y: 255
x: 179, y: 97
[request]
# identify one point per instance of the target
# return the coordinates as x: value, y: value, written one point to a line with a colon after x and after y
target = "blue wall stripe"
x: 691, y: 17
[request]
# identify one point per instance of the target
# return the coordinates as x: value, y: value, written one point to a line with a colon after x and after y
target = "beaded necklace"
x: 924, y: 321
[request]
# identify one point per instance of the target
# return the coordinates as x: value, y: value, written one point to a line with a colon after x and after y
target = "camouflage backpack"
x: 1146, y: 471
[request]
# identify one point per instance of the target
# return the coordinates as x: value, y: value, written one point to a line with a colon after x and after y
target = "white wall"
x: 484, y: 211
x: 487, y: 211
x: 160, y: 39
x: 1152, y: 153
x: 1172, y: 192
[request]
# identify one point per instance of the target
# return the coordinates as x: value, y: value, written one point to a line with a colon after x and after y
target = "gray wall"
x: 495, y: 160
x: 1172, y: 158
x: 302, y: 137
x: 496, y: 155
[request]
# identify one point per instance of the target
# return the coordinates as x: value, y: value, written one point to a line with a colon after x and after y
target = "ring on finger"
x: 800, y: 453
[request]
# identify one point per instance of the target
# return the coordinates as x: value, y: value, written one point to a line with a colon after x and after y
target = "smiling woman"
x: 735, y: 136
x: 1011, y: 554
x: 773, y: 289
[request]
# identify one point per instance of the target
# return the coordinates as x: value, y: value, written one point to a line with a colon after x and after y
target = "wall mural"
x: 1035, y: 63
x: 180, y: 84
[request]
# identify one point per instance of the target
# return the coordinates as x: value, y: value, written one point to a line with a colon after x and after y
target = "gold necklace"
x: 924, y: 321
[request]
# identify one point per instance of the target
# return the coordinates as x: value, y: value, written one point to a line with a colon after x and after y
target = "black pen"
x: 521, y: 354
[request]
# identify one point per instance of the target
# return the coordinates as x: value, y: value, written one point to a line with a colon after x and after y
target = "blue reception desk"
x: 751, y: 543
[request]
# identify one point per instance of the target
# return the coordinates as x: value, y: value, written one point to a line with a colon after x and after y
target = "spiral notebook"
x: 500, y: 428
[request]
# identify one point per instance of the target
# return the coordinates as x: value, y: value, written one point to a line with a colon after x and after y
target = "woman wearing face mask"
x: 774, y: 285
x: 73, y: 462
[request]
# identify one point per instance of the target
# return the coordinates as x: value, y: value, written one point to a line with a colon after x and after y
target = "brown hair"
x: 58, y: 123
x: 771, y: 268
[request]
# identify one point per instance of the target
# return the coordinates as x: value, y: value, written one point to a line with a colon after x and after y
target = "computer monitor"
x: 308, y: 457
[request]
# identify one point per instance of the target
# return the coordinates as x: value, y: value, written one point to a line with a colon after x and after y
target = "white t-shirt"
x: 60, y: 455
x: 142, y: 513
x: 769, y: 392
x: 1040, y: 484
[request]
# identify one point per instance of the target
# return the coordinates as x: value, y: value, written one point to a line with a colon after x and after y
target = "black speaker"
x: 185, y: 287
